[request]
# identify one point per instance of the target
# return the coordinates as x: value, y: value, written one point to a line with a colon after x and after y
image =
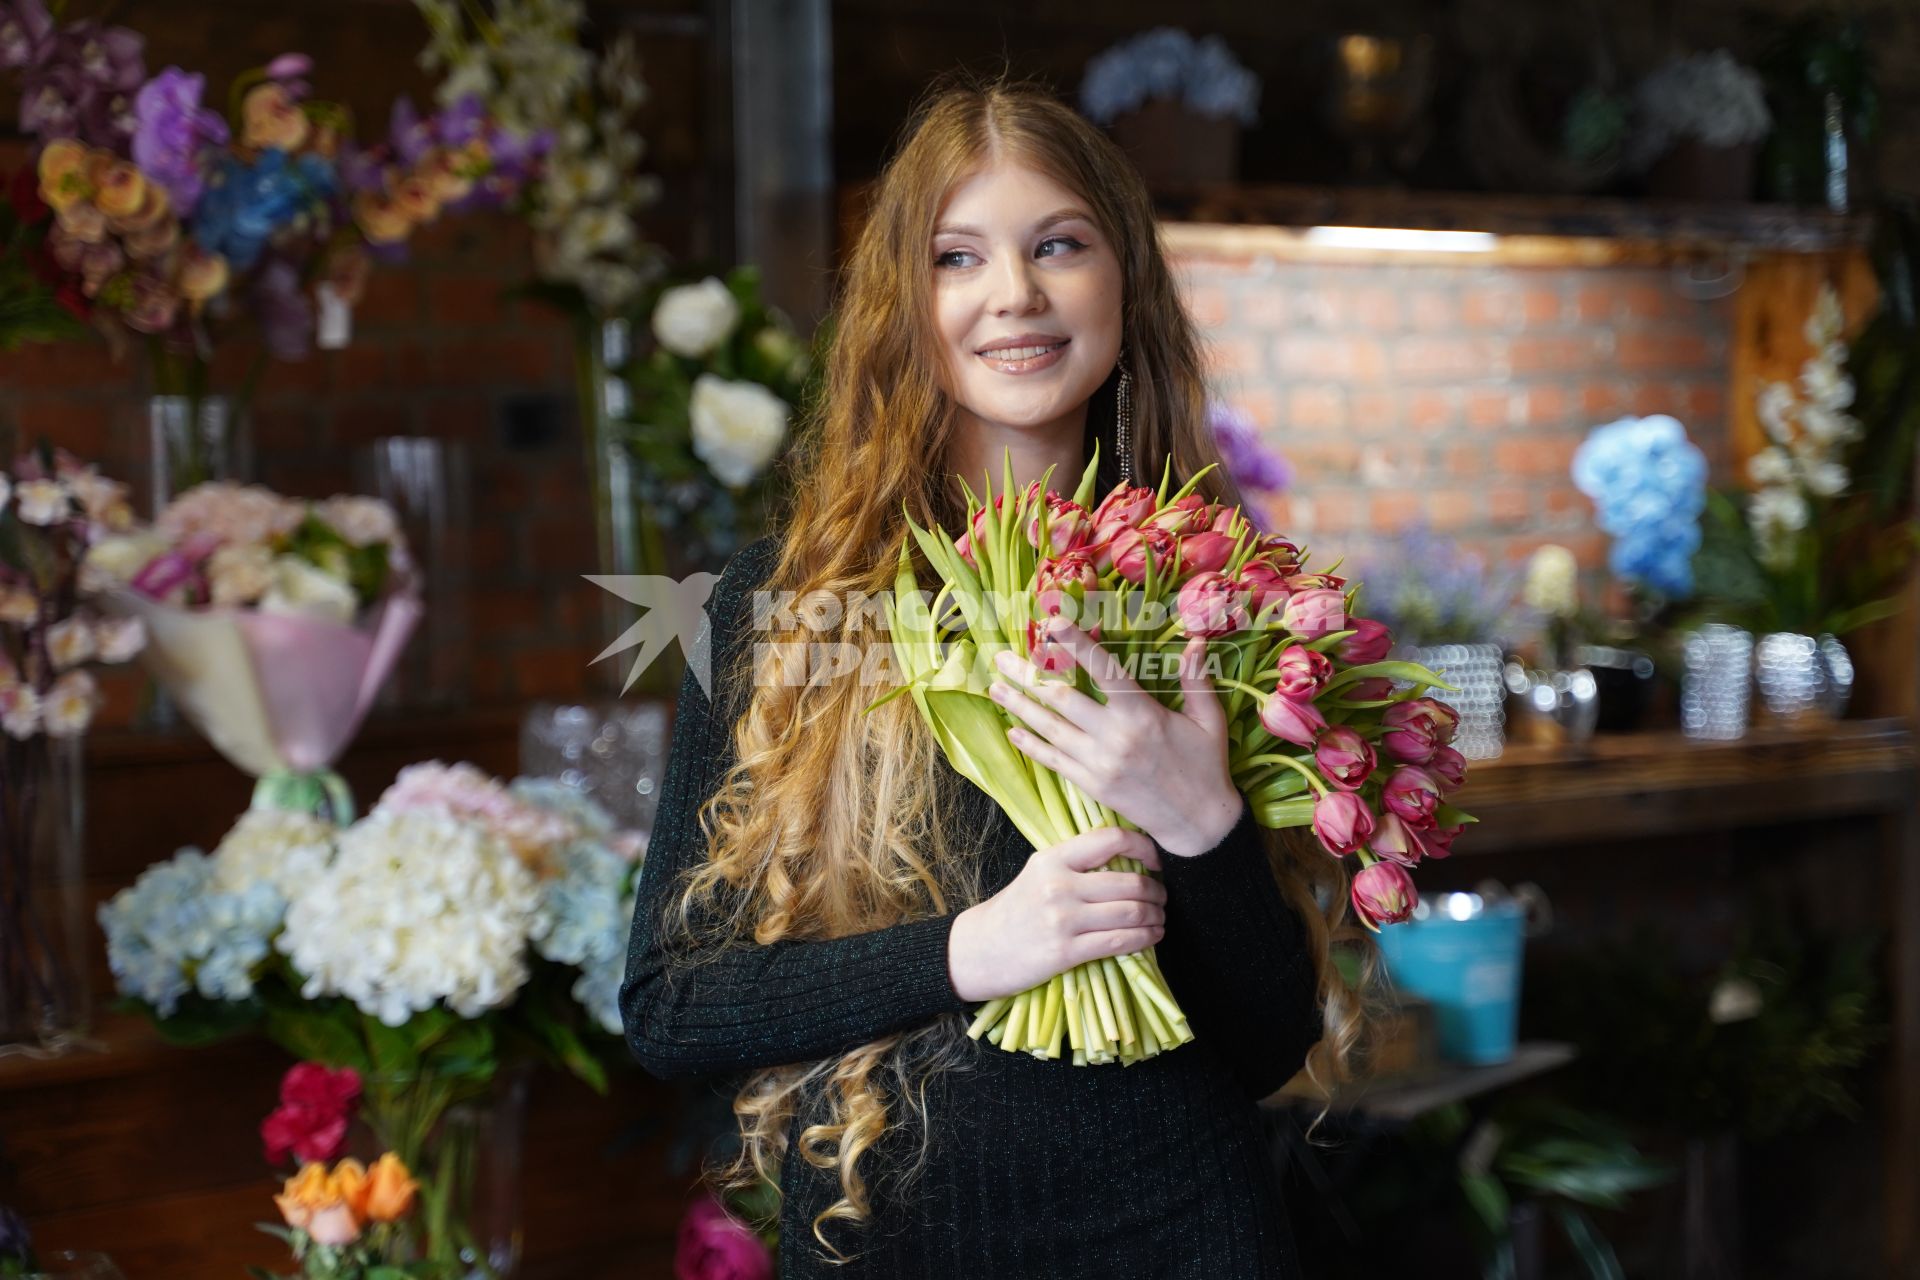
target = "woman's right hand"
x: 1060, y: 911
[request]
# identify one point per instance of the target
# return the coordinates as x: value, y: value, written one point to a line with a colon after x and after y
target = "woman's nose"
x: 1015, y: 289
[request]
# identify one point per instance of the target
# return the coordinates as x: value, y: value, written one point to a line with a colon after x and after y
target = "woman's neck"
x: 979, y: 450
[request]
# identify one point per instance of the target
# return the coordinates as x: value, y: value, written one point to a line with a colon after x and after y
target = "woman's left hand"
x: 1163, y: 770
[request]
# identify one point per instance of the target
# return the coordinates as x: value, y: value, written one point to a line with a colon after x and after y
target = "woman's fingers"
x: 1129, y: 913
x: 1114, y: 886
x: 1113, y: 942
x: 1032, y: 707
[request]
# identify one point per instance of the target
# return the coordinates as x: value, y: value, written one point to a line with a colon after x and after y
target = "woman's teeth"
x: 1021, y: 353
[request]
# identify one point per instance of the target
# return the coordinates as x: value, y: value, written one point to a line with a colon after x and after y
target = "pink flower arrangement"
x: 714, y: 1245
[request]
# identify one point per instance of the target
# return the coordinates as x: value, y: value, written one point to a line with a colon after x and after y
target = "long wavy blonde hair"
x: 833, y: 822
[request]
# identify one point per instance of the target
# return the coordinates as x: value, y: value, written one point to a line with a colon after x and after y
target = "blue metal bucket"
x: 1462, y: 952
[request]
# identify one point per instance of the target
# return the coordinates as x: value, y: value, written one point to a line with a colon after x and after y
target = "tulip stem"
x: 1291, y: 763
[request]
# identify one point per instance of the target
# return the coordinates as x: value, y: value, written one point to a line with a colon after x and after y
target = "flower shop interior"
x: 1583, y: 336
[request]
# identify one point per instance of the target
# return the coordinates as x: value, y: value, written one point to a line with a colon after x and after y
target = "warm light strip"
x: 1398, y: 238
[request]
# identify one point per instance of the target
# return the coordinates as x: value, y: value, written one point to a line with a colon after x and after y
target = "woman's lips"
x: 999, y: 360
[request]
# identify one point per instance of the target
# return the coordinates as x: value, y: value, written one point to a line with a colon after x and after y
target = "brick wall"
x: 1453, y: 395
x: 437, y: 349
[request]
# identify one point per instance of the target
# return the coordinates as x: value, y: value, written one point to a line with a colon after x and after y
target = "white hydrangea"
x: 1708, y: 96
x: 1804, y: 459
x: 280, y: 848
x: 418, y: 907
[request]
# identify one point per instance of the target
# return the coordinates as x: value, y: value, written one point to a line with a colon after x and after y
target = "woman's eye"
x: 1069, y: 241
x: 943, y: 259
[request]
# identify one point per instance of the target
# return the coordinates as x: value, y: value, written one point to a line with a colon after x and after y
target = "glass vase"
x: 44, y: 938
x: 1802, y: 679
x: 615, y: 752
x: 1716, y: 686
x: 191, y: 440
x: 462, y: 1137
x: 1478, y: 671
x: 427, y: 482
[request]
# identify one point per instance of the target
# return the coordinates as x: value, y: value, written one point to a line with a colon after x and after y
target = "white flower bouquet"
x: 272, y: 622
x: 456, y: 898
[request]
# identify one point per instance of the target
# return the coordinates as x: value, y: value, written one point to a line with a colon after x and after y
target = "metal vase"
x: 1802, y: 677
x: 1552, y: 708
x: 1714, y: 689
x: 1480, y: 697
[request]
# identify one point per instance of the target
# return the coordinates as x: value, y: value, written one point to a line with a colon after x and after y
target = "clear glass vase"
x: 428, y: 483
x: 191, y: 440
x: 462, y: 1137
x: 615, y: 752
x: 1716, y: 687
x: 44, y: 937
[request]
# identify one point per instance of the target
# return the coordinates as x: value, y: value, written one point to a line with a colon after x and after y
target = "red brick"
x: 362, y: 422
x: 1389, y: 509
x: 1432, y: 310
x: 465, y: 302
x: 1562, y: 354
x: 1641, y: 351
x: 1375, y: 309
x: 1706, y: 403
x: 1324, y: 458
x: 496, y: 362
x: 1335, y: 511
x: 1317, y: 409
x: 1432, y: 410
x: 1546, y: 404
x: 459, y: 416
x: 550, y: 671
x: 1534, y: 456
x: 1489, y: 407
x: 1450, y: 509
x: 1540, y: 306
x: 1652, y: 397
x: 1374, y: 412
x: 391, y: 300
x: 1645, y: 301
x: 1508, y: 506
x: 564, y: 545
x: 1232, y: 356
x: 1596, y: 303
x: 1441, y: 358
x: 506, y: 611
x: 67, y: 422
x: 1601, y: 400
x: 1466, y: 460
x: 63, y: 365
x: 1352, y: 359
x: 1260, y: 405
x: 1318, y: 308
x: 362, y: 366
x: 1264, y: 306
x: 1207, y: 304
x: 1566, y: 505
x: 1490, y: 308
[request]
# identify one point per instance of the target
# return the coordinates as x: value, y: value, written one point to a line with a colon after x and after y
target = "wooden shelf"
x: 1271, y: 219
x: 1623, y: 785
x: 1404, y: 1098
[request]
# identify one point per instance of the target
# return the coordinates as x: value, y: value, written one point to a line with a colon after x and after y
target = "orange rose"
x: 62, y: 184
x: 306, y: 1193
x: 271, y: 119
x: 382, y: 220
x: 123, y: 190
x: 202, y: 274
x: 389, y: 1190
x: 348, y: 1184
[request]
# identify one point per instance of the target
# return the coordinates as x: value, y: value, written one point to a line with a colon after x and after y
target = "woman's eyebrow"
x: 1057, y: 216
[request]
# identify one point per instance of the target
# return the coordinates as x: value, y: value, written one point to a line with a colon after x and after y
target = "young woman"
x: 825, y: 901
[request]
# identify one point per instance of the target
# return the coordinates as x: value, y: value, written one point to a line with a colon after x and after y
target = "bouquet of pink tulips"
x: 1324, y: 730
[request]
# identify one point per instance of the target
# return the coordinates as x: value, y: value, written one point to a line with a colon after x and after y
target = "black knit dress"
x: 1039, y: 1170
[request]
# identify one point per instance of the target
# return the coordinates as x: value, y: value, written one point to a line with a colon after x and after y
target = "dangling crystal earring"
x: 1123, y: 424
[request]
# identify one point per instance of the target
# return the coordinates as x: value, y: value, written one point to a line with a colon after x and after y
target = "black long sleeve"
x: 1235, y: 956
x: 756, y: 1005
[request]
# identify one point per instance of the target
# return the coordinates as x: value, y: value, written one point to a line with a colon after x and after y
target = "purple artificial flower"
x: 286, y: 316
x: 50, y: 104
x: 111, y: 58
x: 26, y: 32
x: 1251, y: 464
x: 171, y: 133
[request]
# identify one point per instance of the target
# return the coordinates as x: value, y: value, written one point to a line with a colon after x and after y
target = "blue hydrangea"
x: 1166, y: 62
x: 245, y: 205
x: 172, y: 932
x: 1648, y: 483
x: 588, y: 903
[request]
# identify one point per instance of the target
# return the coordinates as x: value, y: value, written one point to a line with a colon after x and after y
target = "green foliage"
x: 29, y: 310
x: 1654, y: 1043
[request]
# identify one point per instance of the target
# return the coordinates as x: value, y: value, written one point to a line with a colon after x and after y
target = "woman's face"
x: 1026, y: 300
